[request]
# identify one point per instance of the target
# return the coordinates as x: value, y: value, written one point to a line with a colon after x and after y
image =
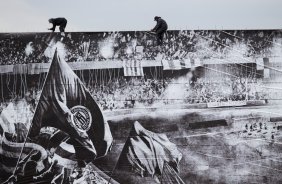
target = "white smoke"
x: 29, y: 49
x: 203, y: 48
x: 52, y: 46
x: 15, y: 112
x: 175, y: 92
x: 238, y: 50
x: 107, y: 50
x: 131, y: 47
x: 106, y: 47
x: 276, y: 49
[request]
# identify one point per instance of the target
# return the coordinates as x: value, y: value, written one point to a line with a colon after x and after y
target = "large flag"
x: 133, y: 68
x: 66, y: 104
x: 146, y: 153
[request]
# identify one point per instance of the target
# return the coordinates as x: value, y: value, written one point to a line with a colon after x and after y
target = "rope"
x: 96, y: 76
x: 89, y: 78
x: 243, y: 38
x: 229, y: 60
x: 25, y: 82
x: 110, y: 74
x: 21, y: 84
x: 239, y: 52
x: 2, y: 90
x: 8, y: 82
x: 28, y: 132
x: 39, y: 80
x: 15, y: 85
x: 242, y: 58
x: 221, y: 72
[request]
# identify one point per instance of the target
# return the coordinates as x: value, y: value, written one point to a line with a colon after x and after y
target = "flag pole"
x: 32, y: 121
x: 120, y: 155
x: 117, y: 161
x: 22, y: 149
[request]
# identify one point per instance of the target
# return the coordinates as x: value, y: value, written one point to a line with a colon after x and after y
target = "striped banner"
x: 133, y: 68
x: 10, y: 152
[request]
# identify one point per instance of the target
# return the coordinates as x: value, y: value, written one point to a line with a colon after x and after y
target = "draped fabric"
x: 146, y: 152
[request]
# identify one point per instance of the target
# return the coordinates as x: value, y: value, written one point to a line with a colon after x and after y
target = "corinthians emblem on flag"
x: 66, y: 104
x: 81, y: 118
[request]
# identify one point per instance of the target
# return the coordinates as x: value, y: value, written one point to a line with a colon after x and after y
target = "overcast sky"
x: 114, y: 15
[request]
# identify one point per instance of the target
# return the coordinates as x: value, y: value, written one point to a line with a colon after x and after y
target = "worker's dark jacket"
x: 161, y: 26
x: 59, y: 22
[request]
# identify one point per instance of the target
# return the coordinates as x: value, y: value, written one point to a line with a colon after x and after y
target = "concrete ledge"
x: 120, y: 112
x: 276, y: 119
x: 255, y: 102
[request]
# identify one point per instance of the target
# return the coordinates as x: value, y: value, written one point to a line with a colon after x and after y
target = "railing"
x: 36, y: 68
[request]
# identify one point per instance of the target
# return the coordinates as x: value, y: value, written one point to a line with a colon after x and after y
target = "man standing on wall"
x: 61, y: 22
x: 160, y: 29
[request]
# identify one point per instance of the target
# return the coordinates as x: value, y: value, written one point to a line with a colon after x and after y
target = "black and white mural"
x: 114, y: 107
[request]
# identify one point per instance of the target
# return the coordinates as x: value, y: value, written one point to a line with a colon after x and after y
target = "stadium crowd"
x: 22, y: 48
x: 133, y: 92
x: 139, y: 92
x: 123, y: 93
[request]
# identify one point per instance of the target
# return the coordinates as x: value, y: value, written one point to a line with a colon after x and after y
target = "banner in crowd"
x: 260, y: 64
x: 185, y: 63
x: 266, y: 73
x: 6, y: 68
x: 20, y: 69
x: 35, y: 68
x: 139, y: 52
x: 227, y: 104
x: 176, y: 64
x: 196, y: 62
x: 171, y: 64
x: 133, y: 68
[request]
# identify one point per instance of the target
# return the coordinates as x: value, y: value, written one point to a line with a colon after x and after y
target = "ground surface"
x: 248, y: 149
